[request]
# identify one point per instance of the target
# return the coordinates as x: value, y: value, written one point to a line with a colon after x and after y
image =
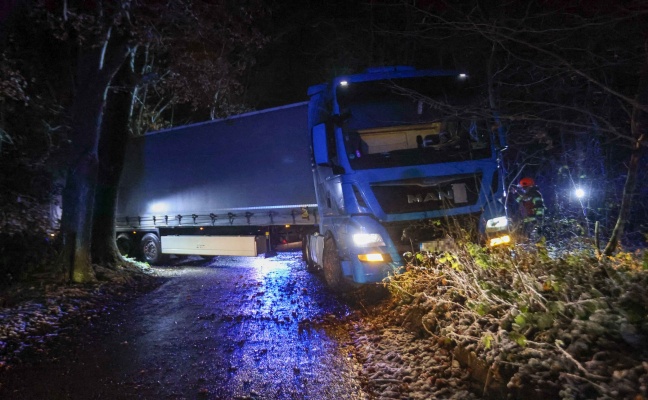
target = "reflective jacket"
x: 531, y: 204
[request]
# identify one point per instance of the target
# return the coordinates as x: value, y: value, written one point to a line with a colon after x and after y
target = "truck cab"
x: 404, y: 160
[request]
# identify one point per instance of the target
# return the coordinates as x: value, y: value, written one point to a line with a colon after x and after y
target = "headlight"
x: 496, y: 224
x: 374, y: 257
x: 368, y: 239
x: 506, y: 239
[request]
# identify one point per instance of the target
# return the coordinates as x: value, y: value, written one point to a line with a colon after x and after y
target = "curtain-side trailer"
x: 228, y: 187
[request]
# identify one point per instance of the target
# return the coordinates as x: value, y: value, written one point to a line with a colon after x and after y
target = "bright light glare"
x: 496, y: 224
x: 500, y: 240
x: 368, y: 239
x: 371, y: 257
x: 580, y: 193
x: 463, y: 76
x: 344, y: 83
x: 158, y: 207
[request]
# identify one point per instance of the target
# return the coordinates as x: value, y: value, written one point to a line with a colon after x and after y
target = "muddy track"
x: 231, y: 327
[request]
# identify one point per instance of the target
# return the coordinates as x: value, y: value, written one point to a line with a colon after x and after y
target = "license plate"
x: 435, y: 246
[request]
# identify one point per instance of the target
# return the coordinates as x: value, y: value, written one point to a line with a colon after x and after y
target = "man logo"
x: 456, y: 194
x: 430, y: 196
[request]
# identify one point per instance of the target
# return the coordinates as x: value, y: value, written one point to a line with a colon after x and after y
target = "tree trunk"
x: 78, y: 193
x: 639, y: 128
x: 95, y: 70
x: 112, y: 147
x: 77, y: 197
x: 626, y: 200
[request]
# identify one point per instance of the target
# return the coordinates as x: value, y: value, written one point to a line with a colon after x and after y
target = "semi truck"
x: 374, y: 166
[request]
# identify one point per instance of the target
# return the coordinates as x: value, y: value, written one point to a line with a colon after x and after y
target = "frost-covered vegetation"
x: 531, y: 323
x: 36, y: 314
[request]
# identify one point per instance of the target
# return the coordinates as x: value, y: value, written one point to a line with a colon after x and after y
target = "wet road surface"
x: 227, y: 328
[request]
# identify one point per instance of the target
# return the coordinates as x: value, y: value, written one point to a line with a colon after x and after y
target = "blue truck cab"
x: 404, y: 160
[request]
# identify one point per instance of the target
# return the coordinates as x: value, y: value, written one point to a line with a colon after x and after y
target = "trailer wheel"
x: 333, y: 267
x: 125, y: 245
x: 151, y: 249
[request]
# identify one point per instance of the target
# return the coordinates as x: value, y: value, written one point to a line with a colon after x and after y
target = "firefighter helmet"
x: 527, y: 182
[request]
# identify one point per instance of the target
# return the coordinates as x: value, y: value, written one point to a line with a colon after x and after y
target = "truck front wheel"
x: 333, y: 267
x: 151, y: 249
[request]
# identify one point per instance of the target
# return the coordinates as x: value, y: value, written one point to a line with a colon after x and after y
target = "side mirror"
x: 320, y: 145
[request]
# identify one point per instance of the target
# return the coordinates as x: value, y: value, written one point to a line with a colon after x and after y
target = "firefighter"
x: 530, y: 205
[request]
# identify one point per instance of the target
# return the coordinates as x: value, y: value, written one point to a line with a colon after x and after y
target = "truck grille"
x: 408, y: 235
x: 427, y: 194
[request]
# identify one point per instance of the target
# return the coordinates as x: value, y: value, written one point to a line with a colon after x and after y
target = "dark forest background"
x: 77, y: 78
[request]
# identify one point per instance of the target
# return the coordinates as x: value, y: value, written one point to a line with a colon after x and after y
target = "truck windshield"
x: 412, y: 121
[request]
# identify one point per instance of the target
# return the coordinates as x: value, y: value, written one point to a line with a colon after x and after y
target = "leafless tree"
x: 101, y: 38
x: 568, y: 67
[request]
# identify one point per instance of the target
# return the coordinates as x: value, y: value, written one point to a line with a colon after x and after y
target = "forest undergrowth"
x: 536, y: 323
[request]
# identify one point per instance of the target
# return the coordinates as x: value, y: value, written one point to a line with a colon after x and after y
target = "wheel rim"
x: 150, y: 250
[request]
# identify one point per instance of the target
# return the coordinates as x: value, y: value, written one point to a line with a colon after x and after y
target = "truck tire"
x: 151, y: 249
x: 125, y: 245
x: 333, y: 267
